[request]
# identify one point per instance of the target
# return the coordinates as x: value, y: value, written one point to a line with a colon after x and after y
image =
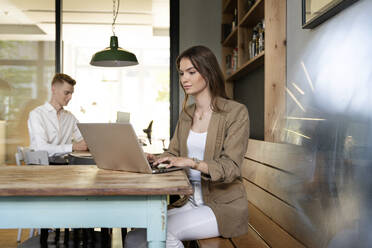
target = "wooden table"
x: 86, y: 197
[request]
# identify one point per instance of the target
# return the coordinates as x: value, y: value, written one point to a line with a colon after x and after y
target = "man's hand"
x: 80, y: 146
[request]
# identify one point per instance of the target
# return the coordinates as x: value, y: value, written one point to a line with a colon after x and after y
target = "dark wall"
x: 250, y: 91
x: 200, y: 24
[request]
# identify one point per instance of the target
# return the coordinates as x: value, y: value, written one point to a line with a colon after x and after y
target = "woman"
x: 210, y: 141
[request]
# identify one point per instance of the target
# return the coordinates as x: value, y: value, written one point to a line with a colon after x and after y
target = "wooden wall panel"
x: 275, y: 68
x: 287, y: 157
x: 283, y: 185
x: 287, y: 217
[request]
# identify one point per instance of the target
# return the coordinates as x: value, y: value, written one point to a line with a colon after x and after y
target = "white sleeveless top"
x: 195, y: 147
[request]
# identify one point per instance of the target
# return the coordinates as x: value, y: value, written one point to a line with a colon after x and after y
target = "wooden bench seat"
x: 215, y: 243
x: 272, y: 174
x: 249, y: 240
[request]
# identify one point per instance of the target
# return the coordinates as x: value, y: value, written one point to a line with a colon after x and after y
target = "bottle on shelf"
x: 235, y: 19
x: 263, y: 34
x: 261, y: 37
x: 257, y: 44
x: 235, y: 59
x: 256, y: 52
x: 253, y: 44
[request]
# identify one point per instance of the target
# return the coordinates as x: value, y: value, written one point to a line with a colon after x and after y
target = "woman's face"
x: 191, y: 80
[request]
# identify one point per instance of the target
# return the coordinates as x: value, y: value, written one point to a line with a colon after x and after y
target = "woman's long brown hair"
x: 205, y: 62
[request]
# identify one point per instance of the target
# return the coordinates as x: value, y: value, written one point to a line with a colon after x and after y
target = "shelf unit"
x: 248, y: 71
x: 249, y: 66
x: 228, y: 6
x: 231, y: 39
x: 240, y: 36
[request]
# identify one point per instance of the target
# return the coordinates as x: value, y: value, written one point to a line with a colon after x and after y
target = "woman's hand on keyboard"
x: 150, y: 157
x: 176, y: 161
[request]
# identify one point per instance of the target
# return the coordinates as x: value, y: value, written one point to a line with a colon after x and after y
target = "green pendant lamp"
x: 114, y: 56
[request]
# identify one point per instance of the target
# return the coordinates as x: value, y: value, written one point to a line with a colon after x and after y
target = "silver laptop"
x: 115, y: 146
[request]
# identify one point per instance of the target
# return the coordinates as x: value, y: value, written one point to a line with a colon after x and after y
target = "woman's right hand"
x: 150, y: 157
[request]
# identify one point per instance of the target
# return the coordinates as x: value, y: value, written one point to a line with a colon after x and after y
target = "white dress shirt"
x: 50, y: 133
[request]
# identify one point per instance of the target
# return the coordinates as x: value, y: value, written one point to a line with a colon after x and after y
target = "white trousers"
x: 188, y: 222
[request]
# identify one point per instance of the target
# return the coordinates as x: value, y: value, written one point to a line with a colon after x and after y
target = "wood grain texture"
x: 275, y: 68
x: 247, y: 66
x: 215, y: 243
x: 289, y: 218
x: 272, y: 233
x: 249, y: 240
x: 283, y: 185
x: 290, y: 158
x: 87, y: 181
x: 255, y: 14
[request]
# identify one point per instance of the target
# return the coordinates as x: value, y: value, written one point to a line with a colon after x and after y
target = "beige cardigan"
x: 226, y: 145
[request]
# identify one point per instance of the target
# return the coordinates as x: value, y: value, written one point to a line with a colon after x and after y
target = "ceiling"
x: 35, y: 19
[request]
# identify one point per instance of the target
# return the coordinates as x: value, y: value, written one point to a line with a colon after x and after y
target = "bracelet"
x: 197, y: 162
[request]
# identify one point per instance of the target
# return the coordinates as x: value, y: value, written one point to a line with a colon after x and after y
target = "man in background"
x: 51, y: 127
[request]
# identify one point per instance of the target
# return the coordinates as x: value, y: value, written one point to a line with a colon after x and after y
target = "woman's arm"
x: 226, y: 167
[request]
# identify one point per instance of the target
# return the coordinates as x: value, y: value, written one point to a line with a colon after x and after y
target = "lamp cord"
x: 114, y: 15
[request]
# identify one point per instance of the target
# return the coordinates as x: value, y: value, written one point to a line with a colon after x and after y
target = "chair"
x: 32, y: 157
x: 20, y: 157
x: 35, y: 157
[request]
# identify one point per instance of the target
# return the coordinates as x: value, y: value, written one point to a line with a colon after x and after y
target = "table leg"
x: 105, y: 238
x: 44, y: 237
x: 67, y: 236
x: 156, y: 244
x: 56, y: 238
x: 157, y: 221
x: 123, y: 235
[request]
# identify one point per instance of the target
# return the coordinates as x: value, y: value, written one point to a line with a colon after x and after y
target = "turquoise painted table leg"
x: 154, y: 244
x: 157, y: 223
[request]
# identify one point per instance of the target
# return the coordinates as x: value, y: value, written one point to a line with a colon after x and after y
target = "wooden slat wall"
x: 281, y: 184
x: 274, y: 175
x: 284, y: 215
x: 273, y: 234
x: 290, y: 158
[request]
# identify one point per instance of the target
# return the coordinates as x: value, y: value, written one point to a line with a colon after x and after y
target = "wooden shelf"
x: 229, y: 6
x: 231, y: 39
x: 254, y: 15
x: 257, y: 74
x: 247, y: 67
